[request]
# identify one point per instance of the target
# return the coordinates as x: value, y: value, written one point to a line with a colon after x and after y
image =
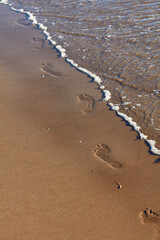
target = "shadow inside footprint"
x: 38, y: 41
x: 90, y: 102
x: 50, y: 69
x: 103, y: 152
x: 23, y: 22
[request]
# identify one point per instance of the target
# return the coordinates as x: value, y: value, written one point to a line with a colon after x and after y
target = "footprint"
x: 23, y: 22
x: 104, y: 153
x: 148, y: 216
x: 39, y: 42
x: 90, y: 102
x: 50, y: 69
x: 151, y: 219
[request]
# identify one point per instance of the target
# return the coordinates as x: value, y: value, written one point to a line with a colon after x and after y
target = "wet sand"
x: 69, y: 168
x: 119, y: 42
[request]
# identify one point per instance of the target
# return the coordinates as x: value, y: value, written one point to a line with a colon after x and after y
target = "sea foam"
x: 97, y: 79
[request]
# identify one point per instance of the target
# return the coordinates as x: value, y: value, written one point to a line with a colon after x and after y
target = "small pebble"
x: 43, y: 76
x: 119, y: 186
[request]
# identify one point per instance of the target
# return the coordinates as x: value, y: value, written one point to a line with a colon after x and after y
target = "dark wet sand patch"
x: 89, y: 100
x: 103, y: 152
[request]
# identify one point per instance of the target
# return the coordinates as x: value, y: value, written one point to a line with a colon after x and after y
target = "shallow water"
x: 116, y: 39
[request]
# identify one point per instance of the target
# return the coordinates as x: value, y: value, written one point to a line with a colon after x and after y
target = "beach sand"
x: 69, y: 167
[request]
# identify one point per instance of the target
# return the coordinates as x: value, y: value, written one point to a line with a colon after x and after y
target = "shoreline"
x: 69, y: 166
x: 107, y: 94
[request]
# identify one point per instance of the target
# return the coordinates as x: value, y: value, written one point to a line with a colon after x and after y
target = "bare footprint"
x: 23, y: 22
x: 50, y: 69
x: 148, y: 216
x: 152, y: 220
x: 39, y: 42
x: 103, y: 152
x: 90, y: 102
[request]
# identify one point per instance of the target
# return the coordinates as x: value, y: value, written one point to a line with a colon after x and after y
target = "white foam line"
x: 97, y: 79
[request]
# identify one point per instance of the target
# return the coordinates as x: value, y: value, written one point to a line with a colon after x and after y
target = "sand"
x: 69, y: 167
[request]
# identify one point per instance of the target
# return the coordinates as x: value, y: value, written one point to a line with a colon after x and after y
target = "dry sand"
x: 69, y: 168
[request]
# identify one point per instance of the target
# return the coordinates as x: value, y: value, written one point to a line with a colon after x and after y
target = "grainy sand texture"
x: 69, y: 167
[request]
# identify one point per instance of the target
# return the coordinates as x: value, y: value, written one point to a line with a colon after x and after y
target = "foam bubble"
x: 107, y: 95
x: 61, y: 50
x: 102, y: 87
x: 125, y: 103
x: 113, y: 106
x: 4, y: 2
